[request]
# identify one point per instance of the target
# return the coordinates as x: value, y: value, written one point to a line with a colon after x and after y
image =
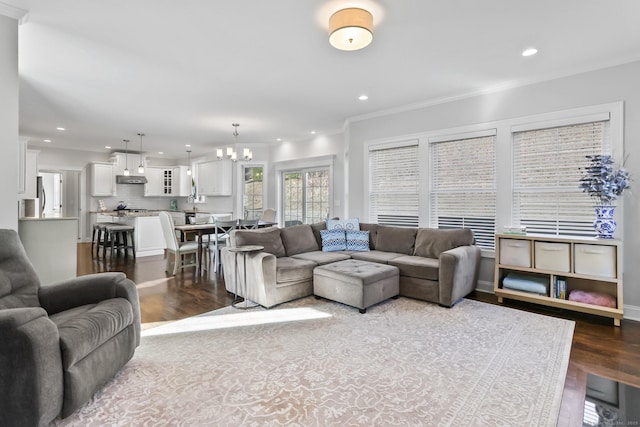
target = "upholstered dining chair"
x: 60, y: 342
x: 268, y: 215
x: 219, y: 239
x: 176, y: 249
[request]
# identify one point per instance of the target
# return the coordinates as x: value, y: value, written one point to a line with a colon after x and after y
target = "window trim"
x: 239, y: 185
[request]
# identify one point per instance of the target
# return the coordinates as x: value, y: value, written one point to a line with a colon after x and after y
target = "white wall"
x: 619, y: 83
x: 9, y: 122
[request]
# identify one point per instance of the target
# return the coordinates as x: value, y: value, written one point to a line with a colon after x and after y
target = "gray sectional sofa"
x: 439, y: 266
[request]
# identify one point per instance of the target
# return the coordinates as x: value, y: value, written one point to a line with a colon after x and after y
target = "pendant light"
x: 126, y: 157
x: 141, y: 166
x: 189, y: 162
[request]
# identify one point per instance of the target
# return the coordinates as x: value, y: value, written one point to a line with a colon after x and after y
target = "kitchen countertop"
x: 126, y: 213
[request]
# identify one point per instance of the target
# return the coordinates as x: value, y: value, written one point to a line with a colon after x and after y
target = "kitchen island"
x: 147, y: 236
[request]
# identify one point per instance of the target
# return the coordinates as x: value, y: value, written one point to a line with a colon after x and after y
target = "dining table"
x: 208, y: 228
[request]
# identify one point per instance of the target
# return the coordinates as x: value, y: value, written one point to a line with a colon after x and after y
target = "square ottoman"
x: 359, y: 284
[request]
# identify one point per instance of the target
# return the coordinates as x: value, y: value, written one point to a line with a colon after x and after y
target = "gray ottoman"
x: 356, y: 283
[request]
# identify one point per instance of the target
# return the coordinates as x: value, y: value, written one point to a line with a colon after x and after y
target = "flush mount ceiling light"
x: 351, y: 29
x: 141, y: 166
x: 530, y: 51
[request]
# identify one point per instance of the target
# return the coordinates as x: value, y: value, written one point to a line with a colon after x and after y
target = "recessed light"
x: 279, y: 139
x: 313, y: 132
x: 187, y: 145
x: 108, y: 147
x: 160, y: 152
x: 46, y: 140
x: 60, y: 128
x: 529, y: 52
x: 363, y: 97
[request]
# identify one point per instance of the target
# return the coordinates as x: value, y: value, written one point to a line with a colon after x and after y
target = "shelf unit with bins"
x: 588, y: 264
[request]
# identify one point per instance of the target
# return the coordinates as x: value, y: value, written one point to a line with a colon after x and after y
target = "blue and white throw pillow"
x: 333, y: 240
x: 343, y: 224
x: 357, y: 240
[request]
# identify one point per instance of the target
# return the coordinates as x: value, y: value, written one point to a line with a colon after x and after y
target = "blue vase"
x: 604, y: 224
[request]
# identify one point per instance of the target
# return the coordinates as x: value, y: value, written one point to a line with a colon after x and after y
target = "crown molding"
x: 14, y: 12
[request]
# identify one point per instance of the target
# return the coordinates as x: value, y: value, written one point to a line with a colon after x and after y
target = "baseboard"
x: 632, y: 312
x: 484, y: 286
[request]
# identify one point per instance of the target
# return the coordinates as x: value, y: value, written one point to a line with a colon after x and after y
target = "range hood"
x: 130, y: 179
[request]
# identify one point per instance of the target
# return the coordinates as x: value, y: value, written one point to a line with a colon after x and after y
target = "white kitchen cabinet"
x: 28, y: 171
x: 215, y: 178
x: 148, y: 236
x: 170, y: 181
x: 102, y: 179
x: 130, y: 161
x: 154, y: 185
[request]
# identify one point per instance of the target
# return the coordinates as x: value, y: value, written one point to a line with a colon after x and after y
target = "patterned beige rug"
x: 318, y: 363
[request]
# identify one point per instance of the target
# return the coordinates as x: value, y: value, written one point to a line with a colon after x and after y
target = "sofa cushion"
x: 396, y: 239
x: 431, y: 242
x: 321, y: 258
x: 268, y: 237
x: 417, y: 266
x: 375, y: 256
x: 85, y: 328
x: 357, y: 240
x: 343, y: 224
x: 373, y: 233
x: 333, y: 240
x: 292, y: 270
x: 317, y: 227
x: 298, y: 239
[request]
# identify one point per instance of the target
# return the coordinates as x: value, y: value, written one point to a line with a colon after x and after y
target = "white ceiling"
x: 184, y: 71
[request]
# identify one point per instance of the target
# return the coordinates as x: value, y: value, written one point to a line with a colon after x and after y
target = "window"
x: 305, y: 196
x: 463, y: 185
x: 546, y: 177
x: 393, y: 185
x: 252, y: 199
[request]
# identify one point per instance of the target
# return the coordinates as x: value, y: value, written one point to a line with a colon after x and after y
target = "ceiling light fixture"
x: 363, y: 97
x: 529, y: 52
x: 231, y: 153
x: 189, y: 161
x: 60, y: 128
x: 141, y: 166
x: 126, y: 157
x: 351, y: 29
x: 46, y: 140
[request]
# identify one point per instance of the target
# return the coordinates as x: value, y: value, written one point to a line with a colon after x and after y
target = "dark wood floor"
x: 598, y: 346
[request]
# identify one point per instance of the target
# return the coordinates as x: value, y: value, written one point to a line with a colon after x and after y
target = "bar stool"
x: 98, y: 238
x: 120, y: 237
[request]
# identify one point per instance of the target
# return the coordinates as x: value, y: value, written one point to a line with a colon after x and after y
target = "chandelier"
x: 231, y: 153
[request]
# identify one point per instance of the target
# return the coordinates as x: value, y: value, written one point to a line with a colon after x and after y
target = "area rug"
x: 319, y: 363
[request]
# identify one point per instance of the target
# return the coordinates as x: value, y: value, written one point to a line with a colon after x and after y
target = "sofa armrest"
x: 90, y: 289
x: 261, y: 275
x: 458, y: 273
x: 31, y: 384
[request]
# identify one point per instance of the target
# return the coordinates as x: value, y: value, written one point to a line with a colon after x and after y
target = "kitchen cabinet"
x: 102, y: 181
x: 167, y: 181
x: 215, y: 178
x: 28, y: 170
x: 130, y: 161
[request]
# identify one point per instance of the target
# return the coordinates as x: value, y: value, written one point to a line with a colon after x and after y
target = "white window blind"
x: 547, y: 166
x: 463, y: 186
x: 393, y: 184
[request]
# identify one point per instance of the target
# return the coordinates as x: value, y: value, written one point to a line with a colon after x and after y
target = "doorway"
x: 61, y: 193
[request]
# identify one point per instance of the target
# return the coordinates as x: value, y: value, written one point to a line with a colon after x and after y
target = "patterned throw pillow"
x: 333, y: 240
x: 357, y: 240
x: 343, y: 224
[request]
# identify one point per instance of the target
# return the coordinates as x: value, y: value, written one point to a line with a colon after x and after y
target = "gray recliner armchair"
x: 59, y: 343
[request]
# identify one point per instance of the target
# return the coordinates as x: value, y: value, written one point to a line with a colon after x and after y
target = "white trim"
x: 565, y: 121
x: 631, y: 312
x: 311, y: 162
x: 21, y: 15
x: 239, y: 184
x: 465, y: 135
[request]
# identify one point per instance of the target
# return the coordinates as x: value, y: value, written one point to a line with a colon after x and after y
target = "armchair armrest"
x: 31, y: 384
x: 458, y: 273
x: 90, y: 289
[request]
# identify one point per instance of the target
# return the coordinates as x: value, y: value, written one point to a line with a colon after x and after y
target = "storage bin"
x: 515, y: 252
x: 552, y: 256
x: 595, y: 260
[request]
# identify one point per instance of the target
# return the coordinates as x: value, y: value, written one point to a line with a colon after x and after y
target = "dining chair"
x: 247, y: 224
x: 219, y: 239
x: 268, y: 215
x: 177, y: 249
